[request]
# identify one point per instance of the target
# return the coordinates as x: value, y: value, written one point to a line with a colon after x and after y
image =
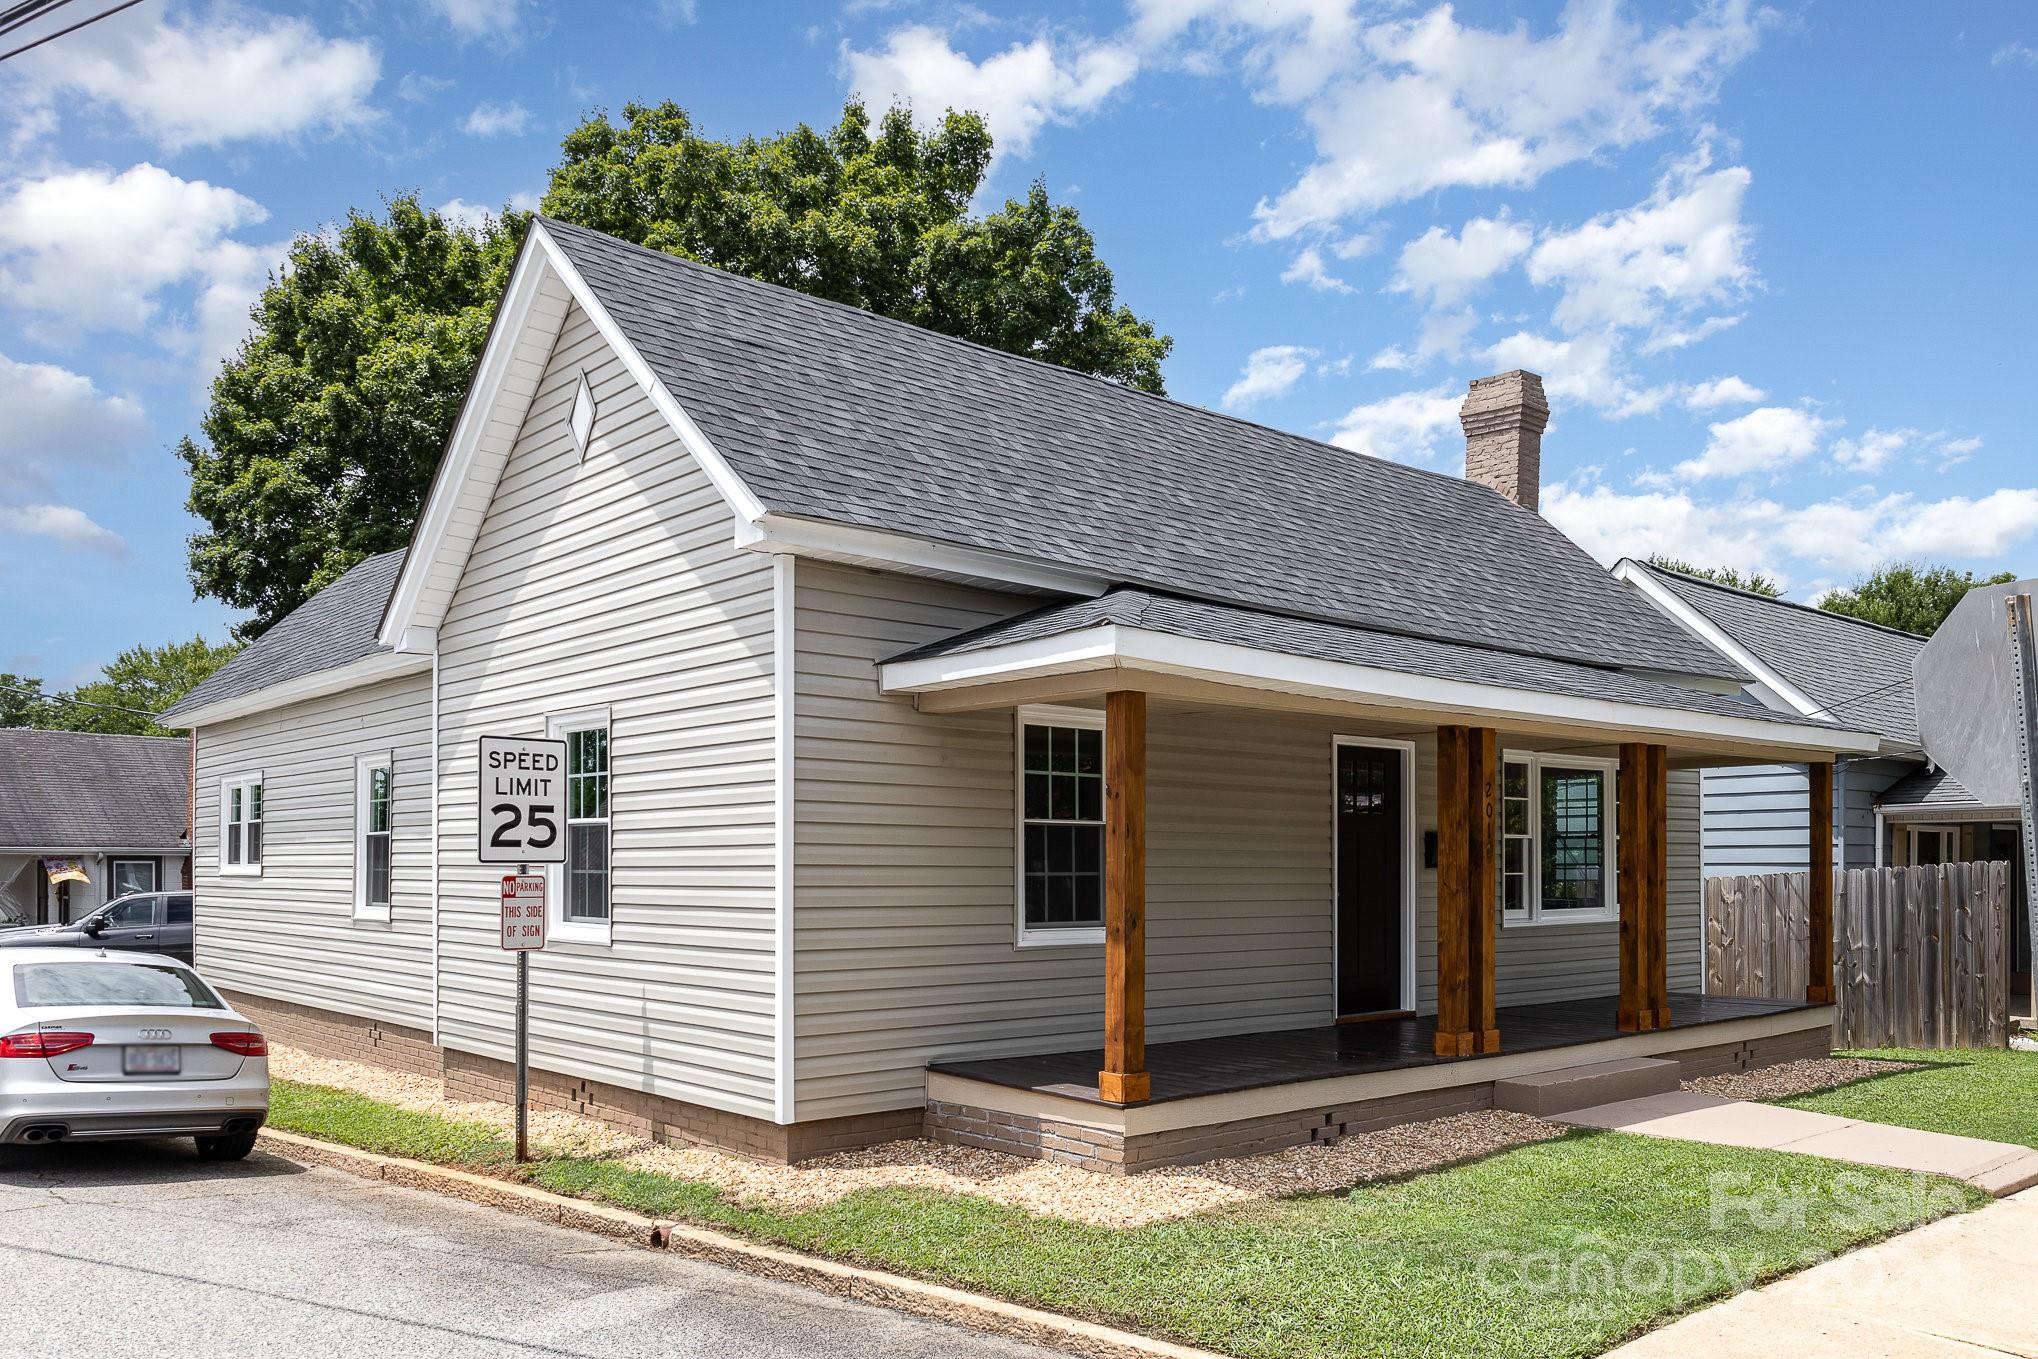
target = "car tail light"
x: 45, y: 1044
x: 248, y: 1044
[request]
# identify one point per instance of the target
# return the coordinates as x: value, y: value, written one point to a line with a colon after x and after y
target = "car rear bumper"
x: 104, y: 1126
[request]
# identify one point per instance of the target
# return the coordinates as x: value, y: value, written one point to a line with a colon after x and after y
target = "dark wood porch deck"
x: 1214, y: 1066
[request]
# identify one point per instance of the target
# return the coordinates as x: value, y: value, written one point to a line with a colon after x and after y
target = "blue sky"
x: 1774, y: 262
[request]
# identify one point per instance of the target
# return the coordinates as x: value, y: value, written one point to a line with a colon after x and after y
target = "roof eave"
x: 365, y: 670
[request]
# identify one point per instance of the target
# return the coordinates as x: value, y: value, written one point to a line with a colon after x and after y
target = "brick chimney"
x: 1504, y: 417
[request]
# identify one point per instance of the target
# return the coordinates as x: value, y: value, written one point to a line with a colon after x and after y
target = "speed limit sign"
x: 523, y: 801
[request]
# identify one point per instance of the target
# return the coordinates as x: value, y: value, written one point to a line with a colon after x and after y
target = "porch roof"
x: 1930, y: 791
x: 1135, y: 630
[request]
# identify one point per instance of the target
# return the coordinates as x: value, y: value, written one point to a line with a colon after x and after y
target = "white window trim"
x: 597, y: 932
x: 363, y: 766
x: 1945, y: 832
x: 1533, y: 917
x: 226, y: 787
x: 1022, y: 936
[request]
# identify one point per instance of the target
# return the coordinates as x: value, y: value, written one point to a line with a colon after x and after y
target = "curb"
x: 895, y: 1291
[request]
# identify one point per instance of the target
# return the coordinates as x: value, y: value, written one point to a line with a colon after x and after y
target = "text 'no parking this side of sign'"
x: 523, y: 801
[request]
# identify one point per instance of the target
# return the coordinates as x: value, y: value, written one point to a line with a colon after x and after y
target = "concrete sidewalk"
x: 1997, y: 1168
x: 1959, y: 1288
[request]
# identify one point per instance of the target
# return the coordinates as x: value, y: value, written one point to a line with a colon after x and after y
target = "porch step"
x: 1581, y: 1087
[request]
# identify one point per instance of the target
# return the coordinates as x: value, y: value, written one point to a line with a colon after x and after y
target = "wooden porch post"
x: 1643, y: 802
x: 1124, y: 1078
x: 1468, y: 770
x: 1819, y: 891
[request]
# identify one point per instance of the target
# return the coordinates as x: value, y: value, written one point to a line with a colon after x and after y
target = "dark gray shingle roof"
x: 78, y: 790
x: 832, y: 413
x: 336, y: 625
x: 1860, y: 671
x: 1927, y: 788
x: 1134, y: 608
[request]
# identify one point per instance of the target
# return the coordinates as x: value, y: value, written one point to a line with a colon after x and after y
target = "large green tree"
x: 138, y: 682
x: 323, y: 431
x: 1757, y: 582
x: 1908, y: 595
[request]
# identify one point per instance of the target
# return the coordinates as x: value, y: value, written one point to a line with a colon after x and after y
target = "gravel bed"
x: 1794, y: 1078
x: 1071, y: 1192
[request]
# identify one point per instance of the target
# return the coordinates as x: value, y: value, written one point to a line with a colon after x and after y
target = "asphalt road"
x: 142, y: 1250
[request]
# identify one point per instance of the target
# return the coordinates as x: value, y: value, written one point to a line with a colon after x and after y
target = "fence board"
x: 1921, y: 954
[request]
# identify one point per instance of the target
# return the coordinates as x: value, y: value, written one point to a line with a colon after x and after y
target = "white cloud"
x: 1766, y: 439
x: 63, y: 523
x: 480, y: 18
x: 59, y: 420
x: 497, y: 120
x: 1407, y: 106
x: 1442, y: 269
x: 1732, y: 390
x: 1672, y: 338
x: 90, y: 249
x: 1873, y: 450
x: 1581, y: 368
x: 416, y: 87
x: 202, y: 80
x: 1850, y: 534
x: 1683, y: 248
x: 1019, y: 91
x: 1269, y: 372
x: 2015, y: 54
x: 1404, y: 428
x: 474, y: 216
x: 1953, y: 452
x: 1308, y: 267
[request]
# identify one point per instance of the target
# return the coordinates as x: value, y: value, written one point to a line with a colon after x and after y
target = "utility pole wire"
x: 27, y: 692
x: 27, y: 12
x: 82, y: 23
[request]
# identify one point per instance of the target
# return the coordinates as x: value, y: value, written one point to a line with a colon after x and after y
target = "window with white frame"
x: 581, y: 892
x: 1935, y: 844
x: 240, y: 825
x: 1061, y: 826
x: 1557, y: 852
x: 374, y: 790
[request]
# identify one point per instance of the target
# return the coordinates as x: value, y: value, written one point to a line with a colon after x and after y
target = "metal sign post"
x: 522, y: 788
x: 2024, y: 669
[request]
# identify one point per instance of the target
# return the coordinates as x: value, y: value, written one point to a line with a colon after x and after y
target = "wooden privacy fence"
x: 1921, y: 955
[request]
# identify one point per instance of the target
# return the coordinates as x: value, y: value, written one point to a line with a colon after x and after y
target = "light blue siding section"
x: 1756, y: 817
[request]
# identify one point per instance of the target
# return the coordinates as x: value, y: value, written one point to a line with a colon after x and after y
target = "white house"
x: 964, y: 744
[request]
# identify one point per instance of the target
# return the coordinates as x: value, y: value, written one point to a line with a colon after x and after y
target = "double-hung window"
x: 1557, y: 838
x: 240, y: 825
x: 581, y: 885
x: 374, y: 790
x: 1061, y: 826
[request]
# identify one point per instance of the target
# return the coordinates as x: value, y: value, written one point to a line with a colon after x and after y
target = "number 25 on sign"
x: 523, y: 912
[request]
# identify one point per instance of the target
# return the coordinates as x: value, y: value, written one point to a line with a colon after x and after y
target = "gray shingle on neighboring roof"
x: 337, y: 625
x: 1927, y: 788
x: 80, y: 790
x: 832, y: 413
x: 1204, y: 621
x: 1860, y: 671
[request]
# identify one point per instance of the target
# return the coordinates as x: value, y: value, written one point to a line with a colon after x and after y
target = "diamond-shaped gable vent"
x: 582, y: 421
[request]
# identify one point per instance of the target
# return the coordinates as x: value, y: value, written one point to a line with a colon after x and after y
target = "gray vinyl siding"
x: 290, y: 934
x: 1757, y: 817
x: 905, y: 870
x: 613, y: 583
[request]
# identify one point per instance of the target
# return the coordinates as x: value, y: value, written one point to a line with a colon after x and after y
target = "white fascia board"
x: 1117, y: 647
x: 1712, y: 635
x: 856, y: 546
x: 354, y: 674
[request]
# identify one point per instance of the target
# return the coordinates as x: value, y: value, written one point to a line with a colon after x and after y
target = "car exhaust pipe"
x: 43, y: 1133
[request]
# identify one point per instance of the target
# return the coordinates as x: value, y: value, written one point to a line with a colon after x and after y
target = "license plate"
x: 153, y: 1061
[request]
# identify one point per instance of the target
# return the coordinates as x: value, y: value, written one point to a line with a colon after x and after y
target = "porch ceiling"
x: 1215, y: 654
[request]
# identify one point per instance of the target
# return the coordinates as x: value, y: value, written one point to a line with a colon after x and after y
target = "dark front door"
x: 1371, y: 839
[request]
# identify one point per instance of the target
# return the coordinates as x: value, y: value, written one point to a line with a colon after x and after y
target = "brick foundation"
x: 326, y: 1033
x: 1112, y: 1152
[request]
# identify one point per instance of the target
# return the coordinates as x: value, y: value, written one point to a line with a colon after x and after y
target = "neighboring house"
x: 1894, y: 807
x: 943, y: 726
x: 85, y: 818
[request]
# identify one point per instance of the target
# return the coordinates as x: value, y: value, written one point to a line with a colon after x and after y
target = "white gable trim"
x: 533, y: 308
x: 373, y: 668
x: 1710, y: 633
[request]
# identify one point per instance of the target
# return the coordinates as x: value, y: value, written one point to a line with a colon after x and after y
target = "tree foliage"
x: 323, y: 432
x: 1757, y: 582
x: 139, y: 681
x: 1913, y: 596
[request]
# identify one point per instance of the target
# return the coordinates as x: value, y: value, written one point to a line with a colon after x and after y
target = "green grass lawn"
x: 1559, y: 1248
x: 1975, y: 1092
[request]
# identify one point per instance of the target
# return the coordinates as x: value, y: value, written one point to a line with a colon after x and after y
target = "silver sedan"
x: 101, y: 1046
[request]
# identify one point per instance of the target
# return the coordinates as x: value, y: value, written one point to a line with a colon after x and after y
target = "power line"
x: 82, y: 23
x: 27, y: 12
x: 81, y: 702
